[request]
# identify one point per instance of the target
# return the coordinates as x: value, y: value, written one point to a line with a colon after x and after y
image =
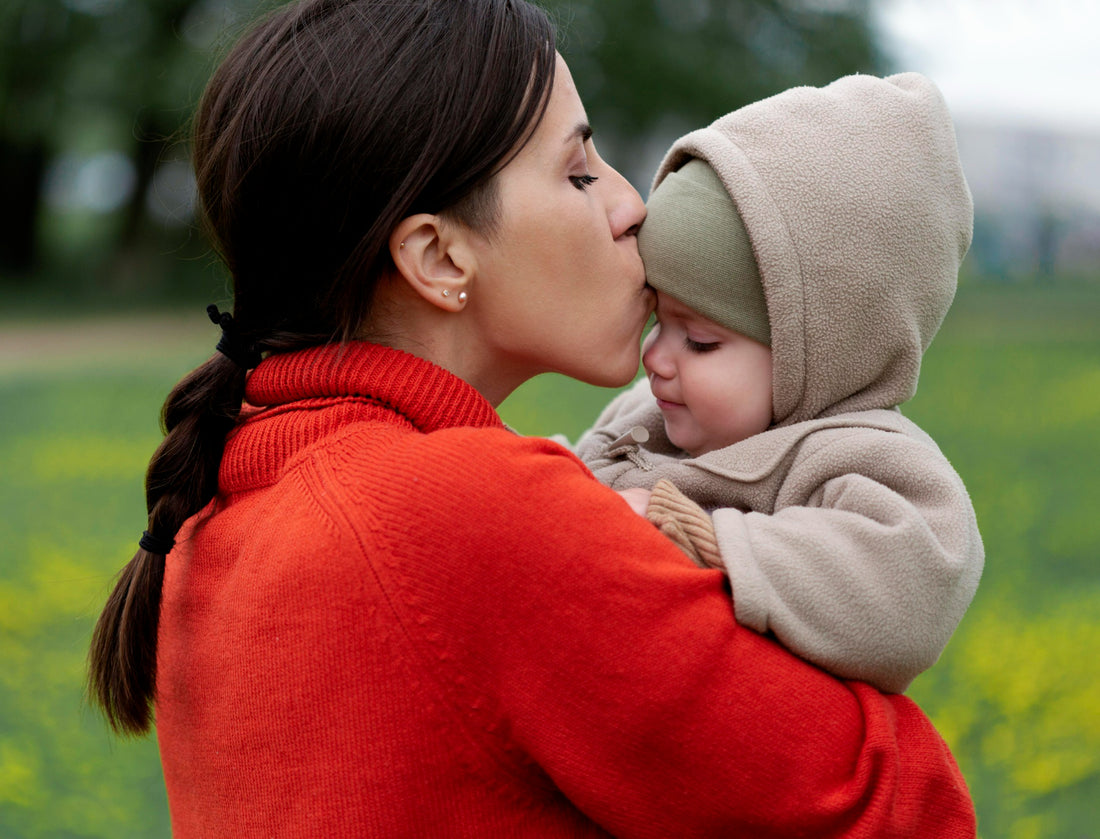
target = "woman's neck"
x: 403, y: 320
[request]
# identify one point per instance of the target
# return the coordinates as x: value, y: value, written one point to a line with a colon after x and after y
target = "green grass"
x: 73, y: 452
x: 1010, y: 389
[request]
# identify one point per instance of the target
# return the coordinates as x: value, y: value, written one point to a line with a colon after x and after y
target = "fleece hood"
x: 859, y: 216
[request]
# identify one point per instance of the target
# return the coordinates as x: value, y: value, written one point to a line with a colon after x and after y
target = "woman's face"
x: 559, y: 286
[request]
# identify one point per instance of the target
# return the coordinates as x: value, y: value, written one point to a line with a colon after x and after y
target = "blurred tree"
x: 28, y: 85
x: 80, y: 78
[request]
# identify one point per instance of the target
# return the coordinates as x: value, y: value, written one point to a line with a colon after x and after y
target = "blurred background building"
x: 1037, y: 199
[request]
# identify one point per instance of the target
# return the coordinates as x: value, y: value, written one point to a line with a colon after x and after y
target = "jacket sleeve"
x: 579, y: 643
x: 867, y: 565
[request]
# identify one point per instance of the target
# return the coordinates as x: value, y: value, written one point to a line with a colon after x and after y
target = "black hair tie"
x: 242, y: 354
x: 156, y: 544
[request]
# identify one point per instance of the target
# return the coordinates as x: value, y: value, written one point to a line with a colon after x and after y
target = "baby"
x: 805, y: 250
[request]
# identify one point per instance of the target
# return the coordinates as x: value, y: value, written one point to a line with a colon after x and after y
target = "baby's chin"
x: 691, y: 444
x: 680, y: 441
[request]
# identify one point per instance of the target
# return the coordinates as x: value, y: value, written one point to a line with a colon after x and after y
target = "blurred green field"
x: 1010, y: 389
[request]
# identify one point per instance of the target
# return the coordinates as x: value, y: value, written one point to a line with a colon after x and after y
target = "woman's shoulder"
x: 458, y: 453
x: 460, y: 509
x: 478, y: 467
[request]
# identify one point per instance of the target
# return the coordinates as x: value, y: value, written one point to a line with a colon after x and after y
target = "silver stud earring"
x: 463, y: 297
x: 446, y: 292
x: 402, y: 244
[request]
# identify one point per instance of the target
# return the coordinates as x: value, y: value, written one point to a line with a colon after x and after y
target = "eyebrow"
x: 581, y: 130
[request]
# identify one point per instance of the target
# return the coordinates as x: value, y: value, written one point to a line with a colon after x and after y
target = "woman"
x: 383, y: 614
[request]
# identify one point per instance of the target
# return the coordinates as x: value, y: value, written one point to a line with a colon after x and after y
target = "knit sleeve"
x: 683, y: 521
x: 570, y: 636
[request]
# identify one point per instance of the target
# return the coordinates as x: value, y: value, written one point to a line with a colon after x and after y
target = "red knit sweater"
x: 398, y: 619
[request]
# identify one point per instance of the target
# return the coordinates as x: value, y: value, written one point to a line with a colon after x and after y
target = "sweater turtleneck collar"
x: 426, y: 395
x: 296, y: 399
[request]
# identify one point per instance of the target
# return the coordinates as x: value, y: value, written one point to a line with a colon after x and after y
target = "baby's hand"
x: 637, y: 498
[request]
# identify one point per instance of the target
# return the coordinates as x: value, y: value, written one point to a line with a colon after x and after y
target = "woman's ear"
x: 432, y: 257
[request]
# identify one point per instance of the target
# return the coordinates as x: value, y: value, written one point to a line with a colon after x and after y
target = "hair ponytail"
x: 182, y: 478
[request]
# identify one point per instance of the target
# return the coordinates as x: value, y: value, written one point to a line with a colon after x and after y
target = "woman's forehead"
x: 565, y: 120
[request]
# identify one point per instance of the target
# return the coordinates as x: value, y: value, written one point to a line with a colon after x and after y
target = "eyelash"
x: 698, y: 347
x: 582, y: 182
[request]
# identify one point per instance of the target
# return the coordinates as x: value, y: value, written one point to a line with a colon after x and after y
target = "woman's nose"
x: 627, y: 210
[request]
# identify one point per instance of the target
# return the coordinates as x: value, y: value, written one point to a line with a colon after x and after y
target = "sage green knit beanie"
x: 695, y: 249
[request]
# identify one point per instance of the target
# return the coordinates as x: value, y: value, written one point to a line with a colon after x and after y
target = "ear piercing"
x: 462, y: 296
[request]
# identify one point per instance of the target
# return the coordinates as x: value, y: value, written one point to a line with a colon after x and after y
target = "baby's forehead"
x: 669, y: 306
x: 671, y: 311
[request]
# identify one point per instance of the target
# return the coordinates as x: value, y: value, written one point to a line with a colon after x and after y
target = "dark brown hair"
x: 325, y: 125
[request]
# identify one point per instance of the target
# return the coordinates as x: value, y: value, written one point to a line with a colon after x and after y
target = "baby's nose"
x: 655, y: 360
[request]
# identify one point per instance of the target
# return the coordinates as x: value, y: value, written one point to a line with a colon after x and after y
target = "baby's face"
x: 713, y: 385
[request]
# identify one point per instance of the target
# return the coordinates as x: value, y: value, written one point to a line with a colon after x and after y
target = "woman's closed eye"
x: 584, y: 181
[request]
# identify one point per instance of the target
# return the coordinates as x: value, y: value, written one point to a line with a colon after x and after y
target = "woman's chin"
x: 613, y: 377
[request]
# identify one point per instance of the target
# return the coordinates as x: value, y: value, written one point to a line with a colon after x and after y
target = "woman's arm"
x: 574, y: 636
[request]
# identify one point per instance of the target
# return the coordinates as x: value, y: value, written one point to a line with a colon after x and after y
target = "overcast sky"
x: 1032, y: 62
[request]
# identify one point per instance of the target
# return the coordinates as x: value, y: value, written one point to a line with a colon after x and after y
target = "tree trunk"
x: 22, y: 169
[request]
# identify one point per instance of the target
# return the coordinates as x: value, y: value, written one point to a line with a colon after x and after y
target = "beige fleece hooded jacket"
x: 843, y: 529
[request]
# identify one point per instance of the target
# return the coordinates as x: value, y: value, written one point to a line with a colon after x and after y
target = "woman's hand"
x: 637, y: 498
